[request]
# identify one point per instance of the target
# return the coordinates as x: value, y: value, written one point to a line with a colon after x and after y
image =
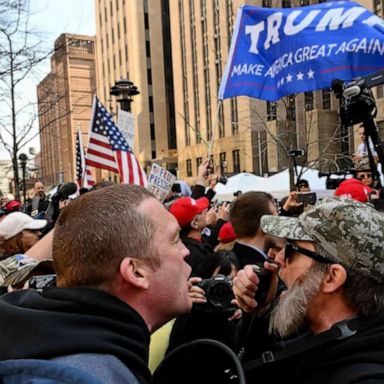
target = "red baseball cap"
x: 354, y: 189
x: 226, y: 233
x: 186, y: 208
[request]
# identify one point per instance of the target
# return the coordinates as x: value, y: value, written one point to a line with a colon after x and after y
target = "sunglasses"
x: 365, y: 176
x: 291, y: 248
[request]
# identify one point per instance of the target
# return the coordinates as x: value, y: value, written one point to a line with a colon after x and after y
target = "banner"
x: 160, y: 181
x: 277, y: 52
x: 126, y: 123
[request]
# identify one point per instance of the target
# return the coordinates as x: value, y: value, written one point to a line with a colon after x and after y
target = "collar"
x: 255, y: 248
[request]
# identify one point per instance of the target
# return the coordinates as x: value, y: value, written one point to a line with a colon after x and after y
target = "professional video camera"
x: 357, y: 105
x: 218, y: 292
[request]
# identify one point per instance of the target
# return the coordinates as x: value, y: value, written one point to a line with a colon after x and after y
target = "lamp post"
x: 124, y: 90
x: 23, y: 163
x: 293, y: 154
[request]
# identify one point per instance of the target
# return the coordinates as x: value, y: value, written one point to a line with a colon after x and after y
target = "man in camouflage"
x: 333, y: 267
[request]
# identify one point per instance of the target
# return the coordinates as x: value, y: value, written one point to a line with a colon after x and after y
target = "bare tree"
x: 21, y: 52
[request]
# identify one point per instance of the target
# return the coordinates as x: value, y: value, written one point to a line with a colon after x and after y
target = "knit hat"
x: 344, y: 231
x: 226, y: 233
x: 186, y: 208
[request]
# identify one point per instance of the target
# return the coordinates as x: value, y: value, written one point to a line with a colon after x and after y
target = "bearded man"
x: 333, y: 267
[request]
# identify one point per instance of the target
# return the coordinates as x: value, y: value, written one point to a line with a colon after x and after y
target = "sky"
x: 51, y: 18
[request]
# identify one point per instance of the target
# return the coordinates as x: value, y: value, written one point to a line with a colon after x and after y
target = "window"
x: 189, y: 168
x: 223, y: 162
x: 271, y: 111
x: 199, y: 160
x: 234, y: 116
x: 236, y: 160
x: 326, y: 98
x: 291, y: 108
x: 308, y: 101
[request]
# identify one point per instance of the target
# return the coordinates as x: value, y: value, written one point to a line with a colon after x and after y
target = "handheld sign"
x: 160, y: 181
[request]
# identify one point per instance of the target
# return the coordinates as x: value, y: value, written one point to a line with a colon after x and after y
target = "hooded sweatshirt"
x: 73, y: 321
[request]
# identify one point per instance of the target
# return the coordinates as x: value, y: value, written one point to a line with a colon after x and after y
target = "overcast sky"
x: 52, y: 18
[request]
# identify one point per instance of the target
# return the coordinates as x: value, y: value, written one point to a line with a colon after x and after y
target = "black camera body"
x: 264, y: 283
x: 219, y: 294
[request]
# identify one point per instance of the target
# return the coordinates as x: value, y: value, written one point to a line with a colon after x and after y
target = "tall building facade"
x: 133, y: 42
x: 250, y: 135
x: 65, y: 98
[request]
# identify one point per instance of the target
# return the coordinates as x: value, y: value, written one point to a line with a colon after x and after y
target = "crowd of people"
x: 294, y: 290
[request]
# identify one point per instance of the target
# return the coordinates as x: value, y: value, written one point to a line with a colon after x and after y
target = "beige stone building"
x: 65, y: 103
x: 251, y: 135
x: 133, y: 43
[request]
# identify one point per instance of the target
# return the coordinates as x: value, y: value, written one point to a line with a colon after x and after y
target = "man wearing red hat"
x: 358, y: 187
x: 191, y: 215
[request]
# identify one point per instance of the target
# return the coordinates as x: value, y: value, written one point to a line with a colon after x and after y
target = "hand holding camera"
x: 255, y: 287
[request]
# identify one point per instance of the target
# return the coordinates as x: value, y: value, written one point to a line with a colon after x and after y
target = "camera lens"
x: 220, y: 294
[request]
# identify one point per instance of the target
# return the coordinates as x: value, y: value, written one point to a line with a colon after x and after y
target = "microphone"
x: 66, y: 190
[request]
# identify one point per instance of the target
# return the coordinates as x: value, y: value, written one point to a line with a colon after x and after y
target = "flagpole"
x: 82, y: 159
x: 214, y: 127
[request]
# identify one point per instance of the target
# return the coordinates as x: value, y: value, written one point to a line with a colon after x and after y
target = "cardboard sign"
x: 160, y: 181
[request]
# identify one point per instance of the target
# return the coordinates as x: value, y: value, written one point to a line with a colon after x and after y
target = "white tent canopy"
x: 277, y: 185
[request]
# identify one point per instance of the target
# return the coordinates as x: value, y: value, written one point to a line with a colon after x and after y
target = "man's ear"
x: 334, y: 278
x: 134, y: 272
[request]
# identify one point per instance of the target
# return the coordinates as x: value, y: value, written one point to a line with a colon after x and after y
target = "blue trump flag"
x: 277, y: 52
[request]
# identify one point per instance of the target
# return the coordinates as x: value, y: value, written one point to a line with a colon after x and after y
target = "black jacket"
x: 68, y: 321
x: 329, y: 357
x: 199, y: 257
x: 248, y: 255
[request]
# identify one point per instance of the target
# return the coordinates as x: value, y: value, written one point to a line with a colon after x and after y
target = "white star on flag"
x: 289, y: 78
x: 282, y: 81
x: 310, y: 74
x: 300, y: 76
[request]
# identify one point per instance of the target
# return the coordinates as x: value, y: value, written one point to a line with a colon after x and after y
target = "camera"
x: 307, y: 197
x: 219, y: 294
x: 39, y: 282
x: 264, y: 283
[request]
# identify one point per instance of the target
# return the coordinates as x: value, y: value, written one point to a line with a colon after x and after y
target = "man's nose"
x: 280, y: 258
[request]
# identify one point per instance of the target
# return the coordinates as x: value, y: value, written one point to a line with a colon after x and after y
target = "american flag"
x: 83, y: 173
x: 109, y: 150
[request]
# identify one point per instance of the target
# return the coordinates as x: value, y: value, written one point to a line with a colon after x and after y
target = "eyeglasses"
x: 365, y: 176
x: 291, y: 248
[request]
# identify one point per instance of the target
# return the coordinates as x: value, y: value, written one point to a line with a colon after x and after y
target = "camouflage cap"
x: 15, y: 269
x: 361, y: 164
x: 344, y: 231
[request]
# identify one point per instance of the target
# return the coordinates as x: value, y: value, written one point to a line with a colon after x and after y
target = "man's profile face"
x: 168, y: 282
x: 302, y: 286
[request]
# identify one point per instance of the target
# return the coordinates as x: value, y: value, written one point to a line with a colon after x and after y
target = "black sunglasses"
x: 291, y: 248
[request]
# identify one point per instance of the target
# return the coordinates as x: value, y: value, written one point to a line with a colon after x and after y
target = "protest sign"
x: 160, y: 181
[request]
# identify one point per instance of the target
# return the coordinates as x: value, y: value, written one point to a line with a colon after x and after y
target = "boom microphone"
x: 67, y: 189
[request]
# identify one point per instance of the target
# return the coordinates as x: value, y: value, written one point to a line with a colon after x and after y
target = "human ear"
x: 133, y: 271
x: 334, y: 278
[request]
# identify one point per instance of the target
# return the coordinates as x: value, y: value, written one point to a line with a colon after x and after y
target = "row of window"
x: 222, y: 167
x: 291, y: 105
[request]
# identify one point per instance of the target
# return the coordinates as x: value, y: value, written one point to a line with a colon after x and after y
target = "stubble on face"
x: 290, y: 312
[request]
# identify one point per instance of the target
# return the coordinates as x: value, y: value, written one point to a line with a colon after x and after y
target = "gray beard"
x: 290, y: 312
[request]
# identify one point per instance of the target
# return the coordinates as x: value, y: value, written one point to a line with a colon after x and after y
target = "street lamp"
x: 124, y: 90
x: 23, y: 163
